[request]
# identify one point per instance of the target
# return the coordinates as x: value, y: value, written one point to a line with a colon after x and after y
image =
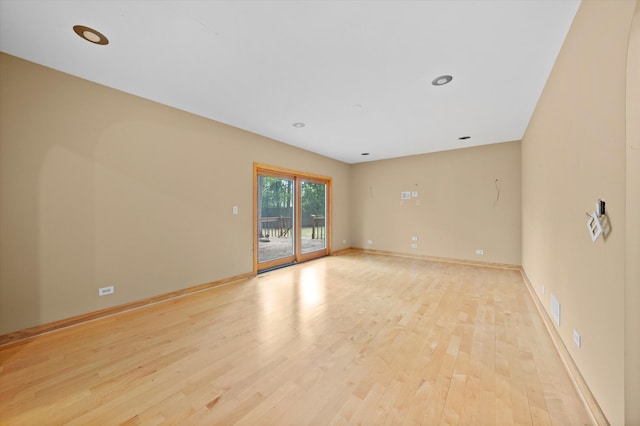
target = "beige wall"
x: 632, y: 259
x: 457, y: 210
x: 98, y: 188
x: 572, y: 154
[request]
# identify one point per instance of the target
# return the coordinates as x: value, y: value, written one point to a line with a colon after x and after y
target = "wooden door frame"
x: 298, y: 177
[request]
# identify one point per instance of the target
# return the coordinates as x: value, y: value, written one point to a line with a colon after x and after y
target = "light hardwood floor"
x: 356, y: 338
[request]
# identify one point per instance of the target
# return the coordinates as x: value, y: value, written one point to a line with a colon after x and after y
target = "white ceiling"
x: 358, y: 73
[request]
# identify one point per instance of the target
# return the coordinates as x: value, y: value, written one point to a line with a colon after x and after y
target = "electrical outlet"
x: 344, y: 241
x: 544, y: 290
x: 369, y: 241
x: 234, y: 210
x: 103, y: 291
x: 414, y: 245
x: 577, y: 339
x: 414, y: 238
x: 479, y: 251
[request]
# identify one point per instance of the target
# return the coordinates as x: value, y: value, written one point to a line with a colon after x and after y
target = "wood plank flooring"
x: 351, y: 339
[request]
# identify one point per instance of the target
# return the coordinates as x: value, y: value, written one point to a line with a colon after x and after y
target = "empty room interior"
x: 320, y: 212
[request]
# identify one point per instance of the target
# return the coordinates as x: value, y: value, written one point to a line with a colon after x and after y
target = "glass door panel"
x: 275, y: 221
x: 313, y: 201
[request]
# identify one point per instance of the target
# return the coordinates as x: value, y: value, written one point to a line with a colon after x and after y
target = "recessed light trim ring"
x: 91, y: 35
x: 442, y: 80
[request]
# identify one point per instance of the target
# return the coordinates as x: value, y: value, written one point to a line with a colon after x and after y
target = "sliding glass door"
x: 276, y: 214
x: 292, y: 217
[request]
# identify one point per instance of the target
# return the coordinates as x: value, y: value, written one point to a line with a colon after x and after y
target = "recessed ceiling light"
x: 90, y: 35
x: 462, y: 138
x: 442, y: 80
x: 365, y: 153
x: 298, y: 124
